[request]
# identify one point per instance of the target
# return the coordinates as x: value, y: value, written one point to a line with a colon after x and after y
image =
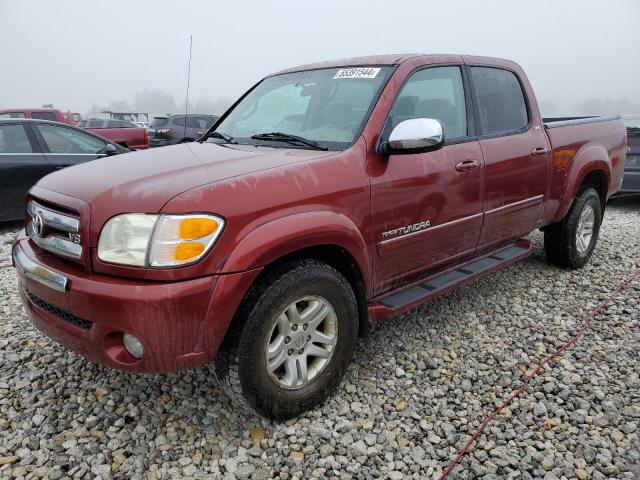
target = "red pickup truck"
x: 52, y: 114
x: 329, y: 196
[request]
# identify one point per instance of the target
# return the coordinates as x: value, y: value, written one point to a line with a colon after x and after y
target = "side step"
x: 437, y: 285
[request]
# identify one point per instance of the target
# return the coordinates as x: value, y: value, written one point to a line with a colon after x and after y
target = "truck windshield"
x: 327, y: 107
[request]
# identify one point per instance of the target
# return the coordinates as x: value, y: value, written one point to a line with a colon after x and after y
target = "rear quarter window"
x: 502, y: 107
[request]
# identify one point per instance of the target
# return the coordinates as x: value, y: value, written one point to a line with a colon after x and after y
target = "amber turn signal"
x: 198, y: 227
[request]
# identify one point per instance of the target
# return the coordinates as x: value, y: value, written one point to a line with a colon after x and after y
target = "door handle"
x: 538, y: 151
x: 466, y: 165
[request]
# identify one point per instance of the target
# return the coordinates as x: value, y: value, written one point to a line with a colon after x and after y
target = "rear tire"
x: 571, y: 242
x: 279, y: 371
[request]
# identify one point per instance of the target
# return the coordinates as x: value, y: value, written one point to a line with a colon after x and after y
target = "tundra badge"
x: 416, y: 227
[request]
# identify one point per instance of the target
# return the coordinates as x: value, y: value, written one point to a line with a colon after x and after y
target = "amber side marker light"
x: 562, y: 158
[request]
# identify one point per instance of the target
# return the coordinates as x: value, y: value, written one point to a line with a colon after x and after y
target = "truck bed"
x: 555, y: 122
x: 579, y: 141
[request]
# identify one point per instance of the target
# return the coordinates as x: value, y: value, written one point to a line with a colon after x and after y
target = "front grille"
x: 55, y: 230
x: 60, y: 313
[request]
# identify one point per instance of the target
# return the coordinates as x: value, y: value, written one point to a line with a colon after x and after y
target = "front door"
x: 427, y: 207
x: 516, y: 155
x: 65, y: 146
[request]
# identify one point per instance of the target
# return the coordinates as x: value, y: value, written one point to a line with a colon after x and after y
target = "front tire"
x: 291, y: 340
x: 571, y: 242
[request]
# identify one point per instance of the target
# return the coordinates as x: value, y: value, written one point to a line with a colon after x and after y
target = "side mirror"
x: 416, y: 135
x: 110, y: 149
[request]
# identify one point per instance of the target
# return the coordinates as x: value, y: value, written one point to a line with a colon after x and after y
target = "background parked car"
x: 178, y: 128
x: 120, y: 131
x: 30, y: 149
x: 52, y: 114
x: 631, y: 182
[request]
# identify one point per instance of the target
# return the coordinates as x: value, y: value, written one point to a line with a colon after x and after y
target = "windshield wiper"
x: 287, y: 137
x: 215, y: 134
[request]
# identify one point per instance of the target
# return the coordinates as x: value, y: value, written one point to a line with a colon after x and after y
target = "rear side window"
x: 501, y: 103
x: 13, y: 139
x: 96, y: 124
x: 44, y: 116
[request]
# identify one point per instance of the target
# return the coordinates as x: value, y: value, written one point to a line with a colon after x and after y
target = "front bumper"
x: 180, y: 324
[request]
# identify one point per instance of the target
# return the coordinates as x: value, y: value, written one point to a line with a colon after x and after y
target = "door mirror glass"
x: 416, y: 135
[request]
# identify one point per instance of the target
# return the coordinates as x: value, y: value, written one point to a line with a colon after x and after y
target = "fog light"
x: 133, y: 345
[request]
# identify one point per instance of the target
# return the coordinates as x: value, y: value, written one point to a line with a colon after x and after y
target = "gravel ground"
x: 418, y: 387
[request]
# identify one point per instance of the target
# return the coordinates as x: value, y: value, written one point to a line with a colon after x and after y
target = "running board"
x: 427, y: 289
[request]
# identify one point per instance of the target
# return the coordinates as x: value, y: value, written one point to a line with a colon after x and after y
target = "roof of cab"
x: 392, y: 59
x: 371, y: 60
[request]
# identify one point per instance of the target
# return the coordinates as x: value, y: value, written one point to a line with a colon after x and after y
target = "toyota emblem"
x: 37, y: 222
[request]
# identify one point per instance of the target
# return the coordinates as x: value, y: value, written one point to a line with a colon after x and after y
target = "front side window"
x: 13, y: 139
x: 65, y: 140
x: 327, y: 106
x: 501, y: 103
x: 436, y: 92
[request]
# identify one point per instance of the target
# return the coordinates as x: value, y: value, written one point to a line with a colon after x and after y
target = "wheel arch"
x: 590, y: 167
x: 326, y: 236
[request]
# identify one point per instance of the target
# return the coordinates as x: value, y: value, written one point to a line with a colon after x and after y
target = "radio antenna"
x: 186, y: 106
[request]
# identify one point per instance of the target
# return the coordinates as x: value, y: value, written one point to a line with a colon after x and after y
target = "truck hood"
x: 144, y: 181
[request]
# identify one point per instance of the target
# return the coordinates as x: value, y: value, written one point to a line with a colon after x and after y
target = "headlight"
x: 143, y: 240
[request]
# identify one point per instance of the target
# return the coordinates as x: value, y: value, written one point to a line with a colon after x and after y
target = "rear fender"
x: 286, y: 235
x: 586, y: 160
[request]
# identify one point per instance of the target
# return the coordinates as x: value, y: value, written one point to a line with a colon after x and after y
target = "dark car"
x: 631, y: 182
x: 31, y: 149
x: 178, y: 129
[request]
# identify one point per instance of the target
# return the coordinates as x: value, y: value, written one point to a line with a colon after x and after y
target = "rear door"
x: 22, y: 164
x: 65, y: 146
x: 426, y: 208
x: 516, y: 155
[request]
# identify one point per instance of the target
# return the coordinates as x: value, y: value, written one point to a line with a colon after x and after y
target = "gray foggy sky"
x: 75, y: 52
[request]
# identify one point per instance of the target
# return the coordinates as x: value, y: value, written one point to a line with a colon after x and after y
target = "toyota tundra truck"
x: 328, y: 196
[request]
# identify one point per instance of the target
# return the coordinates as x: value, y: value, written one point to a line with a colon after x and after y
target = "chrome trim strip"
x: 38, y: 273
x: 56, y: 245
x: 430, y: 229
x: 55, y: 219
x: 516, y: 204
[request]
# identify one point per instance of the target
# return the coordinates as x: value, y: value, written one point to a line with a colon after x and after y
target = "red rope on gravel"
x: 461, y: 453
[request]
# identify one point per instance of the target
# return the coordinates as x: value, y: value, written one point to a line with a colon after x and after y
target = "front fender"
x: 280, y: 237
x: 585, y: 161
